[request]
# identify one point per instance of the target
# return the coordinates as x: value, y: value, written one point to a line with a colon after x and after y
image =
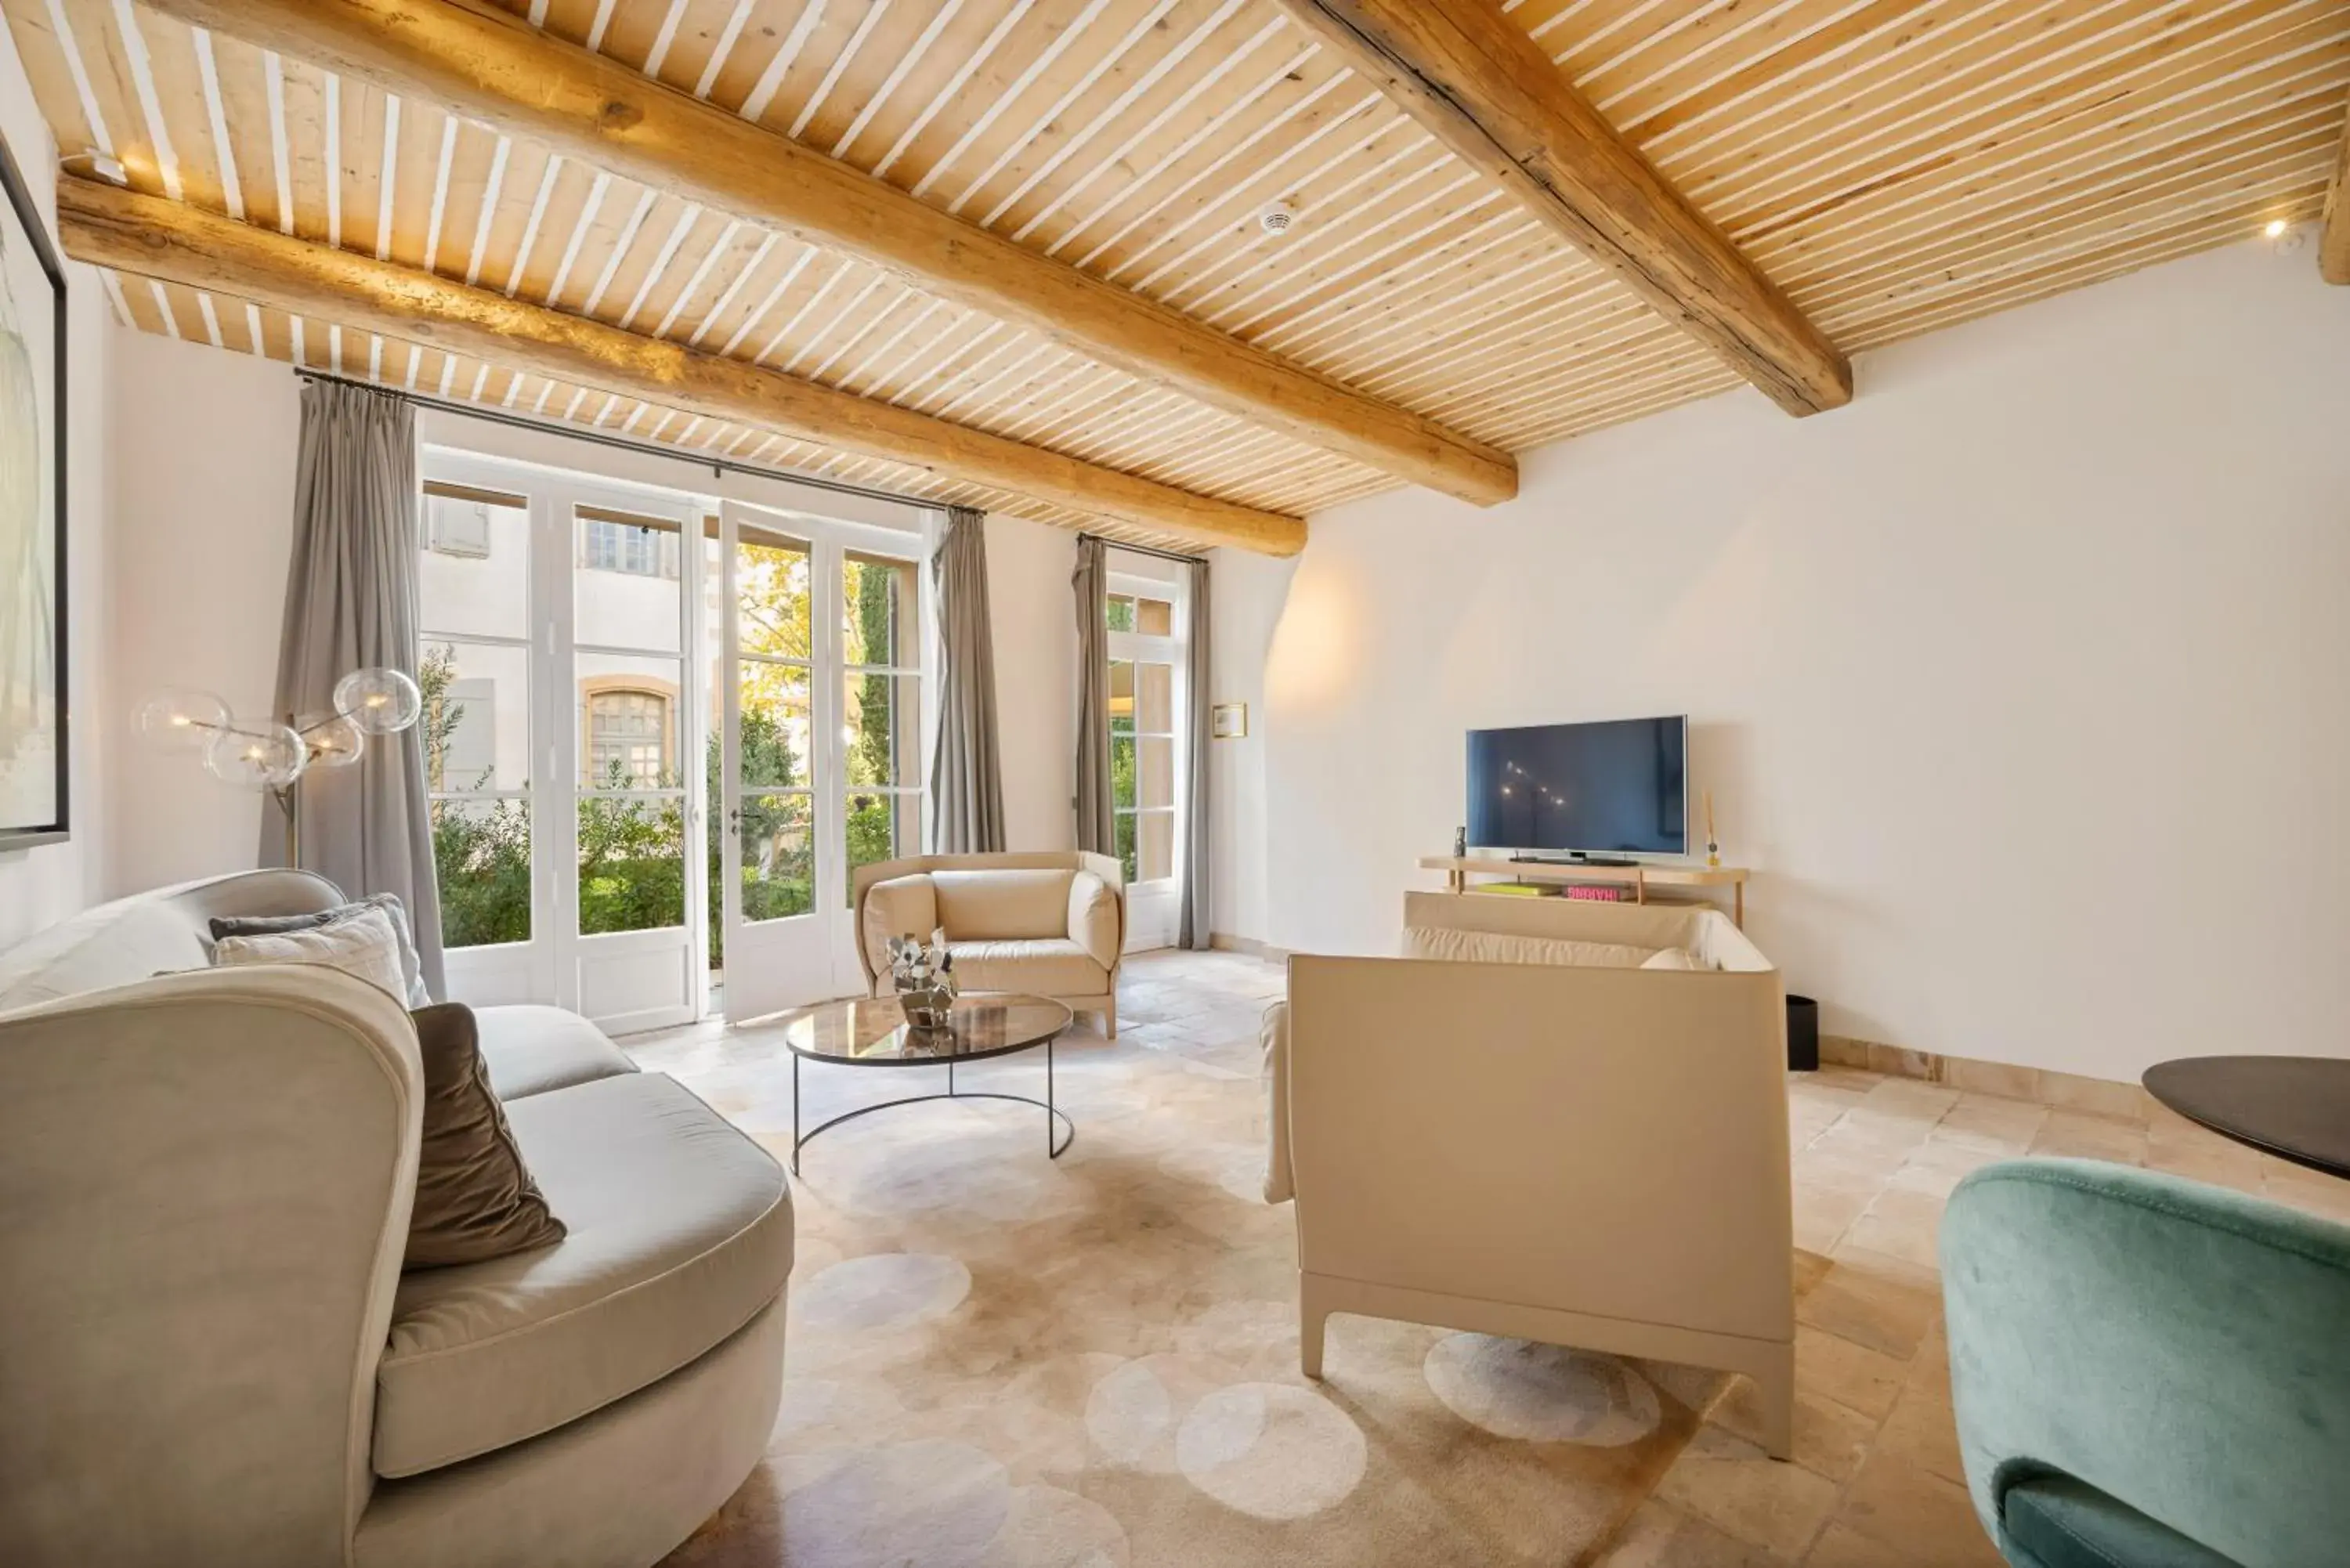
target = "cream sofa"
x: 210, y: 1355
x: 1550, y: 1144
x: 1049, y: 923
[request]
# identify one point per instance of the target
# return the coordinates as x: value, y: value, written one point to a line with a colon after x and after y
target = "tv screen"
x: 1617, y: 787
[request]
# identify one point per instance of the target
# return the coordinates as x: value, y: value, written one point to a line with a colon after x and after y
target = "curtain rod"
x: 1143, y: 549
x: 716, y: 463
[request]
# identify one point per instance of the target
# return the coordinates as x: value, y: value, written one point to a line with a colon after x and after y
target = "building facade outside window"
x: 630, y: 738
x: 1147, y: 624
x: 611, y: 546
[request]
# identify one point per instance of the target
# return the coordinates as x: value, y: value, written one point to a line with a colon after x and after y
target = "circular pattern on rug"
x: 882, y: 1291
x: 1134, y: 1412
x: 1270, y: 1450
x: 1049, y: 1528
x: 1542, y: 1393
x: 940, y: 1504
x: 981, y: 1158
x: 855, y: 1410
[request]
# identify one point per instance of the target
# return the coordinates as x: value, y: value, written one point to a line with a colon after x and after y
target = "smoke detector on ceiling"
x: 1275, y: 220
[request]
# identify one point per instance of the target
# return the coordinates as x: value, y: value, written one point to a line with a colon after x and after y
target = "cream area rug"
x: 999, y: 1361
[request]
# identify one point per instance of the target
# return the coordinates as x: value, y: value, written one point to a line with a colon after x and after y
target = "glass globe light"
x: 180, y: 719
x: 335, y: 740
x: 380, y: 700
x: 258, y: 754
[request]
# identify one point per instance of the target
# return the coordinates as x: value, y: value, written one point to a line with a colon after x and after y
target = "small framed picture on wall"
x: 1228, y: 720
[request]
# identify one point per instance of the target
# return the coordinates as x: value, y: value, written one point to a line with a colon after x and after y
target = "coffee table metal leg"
x: 1055, y: 1120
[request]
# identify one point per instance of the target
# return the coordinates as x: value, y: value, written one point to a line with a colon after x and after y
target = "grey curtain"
x: 1198, y: 911
x: 966, y: 770
x: 1097, y: 821
x: 350, y: 602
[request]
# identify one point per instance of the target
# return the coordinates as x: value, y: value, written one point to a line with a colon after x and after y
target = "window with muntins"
x: 629, y: 740
x: 609, y: 547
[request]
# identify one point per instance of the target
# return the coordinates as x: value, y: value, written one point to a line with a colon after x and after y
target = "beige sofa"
x: 1552, y: 1145
x: 211, y: 1355
x: 1050, y: 923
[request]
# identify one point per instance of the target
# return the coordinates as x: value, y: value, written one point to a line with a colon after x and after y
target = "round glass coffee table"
x: 871, y: 1031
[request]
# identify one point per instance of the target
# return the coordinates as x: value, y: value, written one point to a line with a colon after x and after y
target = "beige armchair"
x: 1050, y: 923
x: 1561, y: 1146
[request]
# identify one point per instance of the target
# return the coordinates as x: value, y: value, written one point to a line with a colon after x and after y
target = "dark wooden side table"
x: 2294, y: 1107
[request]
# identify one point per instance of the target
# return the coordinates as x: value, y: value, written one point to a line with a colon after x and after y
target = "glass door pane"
x: 776, y: 947
x: 881, y: 712
x: 476, y: 760
x: 773, y: 733
x: 628, y: 634
x: 772, y: 870
x: 474, y: 604
x: 1142, y: 764
x: 1147, y: 627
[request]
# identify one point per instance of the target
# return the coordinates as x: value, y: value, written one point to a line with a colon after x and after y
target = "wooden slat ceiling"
x: 1894, y: 165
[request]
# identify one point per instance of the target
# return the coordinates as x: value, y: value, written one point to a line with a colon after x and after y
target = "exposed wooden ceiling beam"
x: 108, y: 226
x: 1486, y: 90
x: 488, y: 65
x: 2334, y: 237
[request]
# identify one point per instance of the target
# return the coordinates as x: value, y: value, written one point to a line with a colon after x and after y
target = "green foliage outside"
x: 872, y: 819
x: 1123, y: 784
x: 631, y: 852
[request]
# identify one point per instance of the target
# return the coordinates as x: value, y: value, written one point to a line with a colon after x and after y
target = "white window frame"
x: 913, y: 641
x: 1154, y: 907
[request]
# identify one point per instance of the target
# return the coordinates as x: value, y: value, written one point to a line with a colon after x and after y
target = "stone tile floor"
x: 1877, y: 1479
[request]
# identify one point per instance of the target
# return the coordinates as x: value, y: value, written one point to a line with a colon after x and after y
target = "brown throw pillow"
x: 474, y: 1199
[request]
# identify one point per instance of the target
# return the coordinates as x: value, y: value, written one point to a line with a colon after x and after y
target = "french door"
x: 819, y: 673
x: 660, y: 731
x: 562, y: 740
x: 1148, y: 670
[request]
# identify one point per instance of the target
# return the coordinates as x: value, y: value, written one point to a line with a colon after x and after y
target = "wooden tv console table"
x: 1458, y: 870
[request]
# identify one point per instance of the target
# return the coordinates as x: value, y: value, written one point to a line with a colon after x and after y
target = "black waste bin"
x: 1803, y: 1034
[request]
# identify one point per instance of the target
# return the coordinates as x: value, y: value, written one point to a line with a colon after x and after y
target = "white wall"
x: 1028, y: 600
x: 2024, y: 681
x: 40, y: 887
x: 1245, y: 594
x: 202, y: 474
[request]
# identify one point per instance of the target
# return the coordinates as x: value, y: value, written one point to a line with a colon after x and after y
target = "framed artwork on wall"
x: 1229, y: 720
x: 34, y: 793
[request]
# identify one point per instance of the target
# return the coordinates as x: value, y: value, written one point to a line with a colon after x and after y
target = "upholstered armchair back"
x: 1611, y: 1141
x: 2124, y: 1336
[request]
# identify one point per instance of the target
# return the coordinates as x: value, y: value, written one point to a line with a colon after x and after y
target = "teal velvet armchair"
x: 2148, y: 1370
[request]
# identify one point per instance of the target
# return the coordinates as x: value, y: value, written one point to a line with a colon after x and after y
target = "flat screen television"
x: 1620, y: 787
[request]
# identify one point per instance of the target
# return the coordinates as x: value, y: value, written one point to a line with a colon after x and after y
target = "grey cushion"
x: 680, y: 1232
x: 531, y: 1050
x: 411, y: 967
